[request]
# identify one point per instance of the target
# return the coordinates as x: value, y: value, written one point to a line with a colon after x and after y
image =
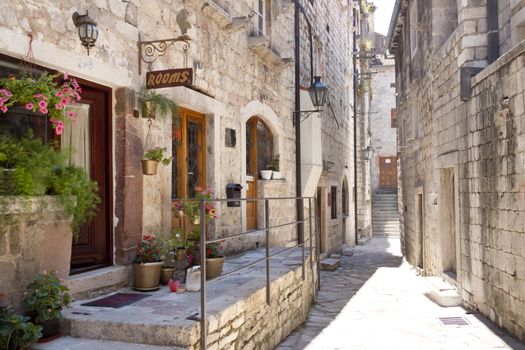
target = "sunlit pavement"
x: 376, y: 301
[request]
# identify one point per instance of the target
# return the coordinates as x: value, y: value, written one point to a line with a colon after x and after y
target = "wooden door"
x: 90, y: 138
x: 189, y: 155
x: 251, y: 174
x: 388, y: 172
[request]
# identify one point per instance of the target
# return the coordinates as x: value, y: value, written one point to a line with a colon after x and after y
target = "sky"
x: 383, y: 15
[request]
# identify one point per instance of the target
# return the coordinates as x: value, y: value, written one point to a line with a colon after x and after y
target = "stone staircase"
x: 385, y: 221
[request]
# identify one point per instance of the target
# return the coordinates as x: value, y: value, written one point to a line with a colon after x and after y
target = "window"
x: 262, y: 12
x: 344, y: 199
x: 259, y: 146
x: 393, y: 118
x: 414, y: 25
x: 333, y: 201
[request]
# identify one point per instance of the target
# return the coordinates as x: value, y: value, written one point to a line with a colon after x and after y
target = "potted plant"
x: 151, y: 102
x: 189, y: 211
x: 214, y: 261
x: 45, y: 94
x: 167, y: 255
x: 275, y: 166
x: 43, y: 302
x: 266, y: 174
x: 16, y: 332
x: 147, y: 264
x: 151, y: 158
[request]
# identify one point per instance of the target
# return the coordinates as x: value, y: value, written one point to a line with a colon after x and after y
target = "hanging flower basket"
x: 43, y: 94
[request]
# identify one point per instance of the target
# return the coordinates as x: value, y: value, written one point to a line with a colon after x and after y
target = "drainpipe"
x: 297, y: 117
x: 492, y: 31
x: 354, y: 50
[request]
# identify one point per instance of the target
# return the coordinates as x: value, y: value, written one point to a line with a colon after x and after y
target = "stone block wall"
x: 493, y: 194
x: 251, y: 323
x: 35, y: 237
x: 466, y: 159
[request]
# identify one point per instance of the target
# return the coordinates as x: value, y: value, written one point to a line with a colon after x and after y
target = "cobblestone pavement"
x: 375, y: 300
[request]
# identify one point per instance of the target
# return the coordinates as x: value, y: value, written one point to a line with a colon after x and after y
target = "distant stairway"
x: 385, y: 220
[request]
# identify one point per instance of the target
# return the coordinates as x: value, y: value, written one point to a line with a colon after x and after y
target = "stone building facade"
x: 241, y: 53
x: 460, y: 105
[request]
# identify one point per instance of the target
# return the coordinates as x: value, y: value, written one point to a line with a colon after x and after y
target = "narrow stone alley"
x: 375, y: 300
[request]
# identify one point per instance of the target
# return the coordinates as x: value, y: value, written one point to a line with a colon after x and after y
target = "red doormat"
x: 117, y: 300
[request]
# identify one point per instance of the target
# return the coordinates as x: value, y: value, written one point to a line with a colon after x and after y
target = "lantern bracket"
x: 151, y: 50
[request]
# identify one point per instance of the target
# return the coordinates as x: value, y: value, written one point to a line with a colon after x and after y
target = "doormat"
x: 117, y: 300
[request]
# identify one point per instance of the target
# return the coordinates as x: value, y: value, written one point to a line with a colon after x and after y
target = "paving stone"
x: 330, y: 264
x: 70, y: 343
x: 379, y: 303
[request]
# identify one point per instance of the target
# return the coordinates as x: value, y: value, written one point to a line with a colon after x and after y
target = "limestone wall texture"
x: 238, y: 75
x: 462, y: 156
x: 383, y: 138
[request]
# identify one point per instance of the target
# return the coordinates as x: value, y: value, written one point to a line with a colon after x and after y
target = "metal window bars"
x: 313, y: 240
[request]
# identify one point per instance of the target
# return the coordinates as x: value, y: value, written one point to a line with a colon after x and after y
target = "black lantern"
x: 87, y: 30
x: 367, y: 153
x: 318, y: 92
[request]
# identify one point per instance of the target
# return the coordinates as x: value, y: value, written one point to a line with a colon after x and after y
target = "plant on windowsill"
x: 43, y: 94
x: 214, y: 260
x: 43, y: 302
x: 16, y: 331
x: 275, y: 167
x: 152, y: 102
x: 147, y: 264
x: 151, y: 158
x: 30, y: 168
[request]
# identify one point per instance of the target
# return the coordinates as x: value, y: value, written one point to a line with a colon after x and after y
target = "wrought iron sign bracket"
x: 303, y: 115
x: 151, y: 50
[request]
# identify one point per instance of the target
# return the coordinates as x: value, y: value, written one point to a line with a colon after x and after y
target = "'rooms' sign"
x: 169, y: 78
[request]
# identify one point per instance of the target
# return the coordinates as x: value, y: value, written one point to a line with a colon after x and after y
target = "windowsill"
x: 273, y: 180
x: 261, y: 46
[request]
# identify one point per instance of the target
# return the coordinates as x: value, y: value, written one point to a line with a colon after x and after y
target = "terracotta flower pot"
x: 50, y: 329
x: 165, y: 274
x: 149, y: 109
x: 146, y: 276
x: 214, y: 267
x: 149, y: 167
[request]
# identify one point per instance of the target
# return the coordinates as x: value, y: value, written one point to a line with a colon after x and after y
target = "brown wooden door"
x: 90, y: 138
x: 252, y: 172
x: 189, y: 156
x: 320, y: 218
x: 387, y: 172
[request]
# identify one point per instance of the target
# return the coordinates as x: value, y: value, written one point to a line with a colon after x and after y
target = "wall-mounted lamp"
x: 318, y: 93
x: 367, y: 153
x: 87, y: 30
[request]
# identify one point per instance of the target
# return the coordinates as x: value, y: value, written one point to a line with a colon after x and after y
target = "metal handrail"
x: 204, y: 242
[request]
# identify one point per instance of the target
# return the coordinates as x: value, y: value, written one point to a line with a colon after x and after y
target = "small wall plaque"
x: 230, y: 138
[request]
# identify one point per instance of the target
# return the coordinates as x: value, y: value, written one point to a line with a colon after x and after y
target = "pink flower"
x: 71, y: 115
x: 43, y: 110
x: 3, y: 109
x: 59, y: 94
x: 8, y: 93
x: 53, y: 120
x: 42, y: 104
x: 59, y: 106
x: 59, y: 129
x: 66, y: 76
x: 29, y: 106
x: 64, y: 101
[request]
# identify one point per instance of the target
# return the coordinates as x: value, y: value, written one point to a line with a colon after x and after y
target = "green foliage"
x: 274, y: 163
x: 163, y: 103
x: 367, y: 7
x: 45, y: 297
x: 157, y: 154
x: 212, y: 250
x: 16, y: 332
x: 30, y: 168
x: 148, y: 250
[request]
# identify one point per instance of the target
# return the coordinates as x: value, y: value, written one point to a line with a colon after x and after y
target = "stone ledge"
x: 237, y: 313
x: 30, y: 204
x: 503, y: 60
x: 93, y: 283
x: 261, y: 46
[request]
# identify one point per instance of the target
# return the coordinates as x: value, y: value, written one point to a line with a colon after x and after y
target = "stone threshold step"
x: 70, y: 343
x: 442, y: 293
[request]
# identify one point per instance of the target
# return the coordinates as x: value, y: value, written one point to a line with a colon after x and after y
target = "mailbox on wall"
x: 233, y: 191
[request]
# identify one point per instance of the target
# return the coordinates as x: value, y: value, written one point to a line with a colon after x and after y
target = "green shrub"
x: 16, y: 332
x: 45, y: 297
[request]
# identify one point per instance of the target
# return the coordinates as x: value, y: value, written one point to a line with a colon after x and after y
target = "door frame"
x: 182, y: 151
x: 380, y: 158
x: 108, y: 94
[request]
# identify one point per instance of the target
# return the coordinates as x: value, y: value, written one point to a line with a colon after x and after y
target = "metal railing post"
x: 310, y: 234
x: 203, y: 275
x: 267, y: 226
x: 303, y: 242
x: 318, y: 244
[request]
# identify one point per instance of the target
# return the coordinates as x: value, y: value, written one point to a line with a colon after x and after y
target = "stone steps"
x: 385, y: 220
x: 70, y: 343
x: 442, y: 293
